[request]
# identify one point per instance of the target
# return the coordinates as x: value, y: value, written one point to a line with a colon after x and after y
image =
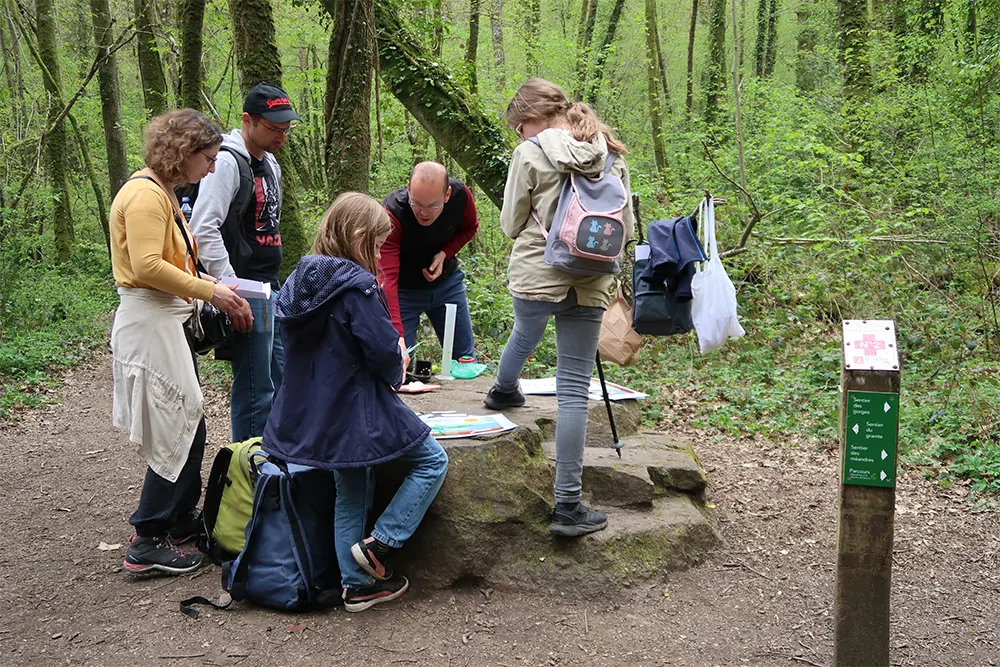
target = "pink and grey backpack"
x: 588, y: 232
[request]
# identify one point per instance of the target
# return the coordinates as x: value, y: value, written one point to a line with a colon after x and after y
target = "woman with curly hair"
x: 157, y: 398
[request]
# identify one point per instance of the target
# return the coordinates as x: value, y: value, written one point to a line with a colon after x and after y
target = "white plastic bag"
x: 713, y: 305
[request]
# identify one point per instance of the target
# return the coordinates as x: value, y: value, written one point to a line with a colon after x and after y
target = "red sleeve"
x: 389, y: 268
x: 466, y: 230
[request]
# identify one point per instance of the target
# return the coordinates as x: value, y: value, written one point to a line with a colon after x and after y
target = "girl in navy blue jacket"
x: 338, y: 408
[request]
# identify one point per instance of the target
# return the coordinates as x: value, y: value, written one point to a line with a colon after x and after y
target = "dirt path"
x: 68, y: 482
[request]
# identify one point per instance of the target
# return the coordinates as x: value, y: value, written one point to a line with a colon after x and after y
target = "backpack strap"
x: 232, y: 227
x: 609, y: 162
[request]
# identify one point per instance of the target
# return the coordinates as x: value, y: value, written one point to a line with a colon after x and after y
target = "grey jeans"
x: 577, y: 331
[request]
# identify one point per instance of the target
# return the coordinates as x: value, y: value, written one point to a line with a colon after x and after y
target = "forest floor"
x: 68, y: 483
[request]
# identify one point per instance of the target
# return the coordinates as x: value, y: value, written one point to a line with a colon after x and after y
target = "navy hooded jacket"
x: 337, y: 406
x: 673, y: 250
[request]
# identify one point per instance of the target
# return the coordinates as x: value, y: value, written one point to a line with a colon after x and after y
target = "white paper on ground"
x: 444, y: 426
x: 248, y: 289
x: 547, y: 387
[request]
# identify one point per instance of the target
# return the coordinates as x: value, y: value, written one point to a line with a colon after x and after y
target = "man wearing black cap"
x: 236, y: 220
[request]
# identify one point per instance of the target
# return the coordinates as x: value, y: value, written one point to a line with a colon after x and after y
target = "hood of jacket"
x: 314, y: 283
x: 569, y: 155
x: 234, y: 141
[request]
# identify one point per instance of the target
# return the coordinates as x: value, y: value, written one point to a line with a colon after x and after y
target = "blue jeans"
x: 577, y: 331
x: 355, y: 487
x: 431, y: 300
x: 258, y: 360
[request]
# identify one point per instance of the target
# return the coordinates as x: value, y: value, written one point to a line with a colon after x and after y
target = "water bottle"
x: 186, y: 208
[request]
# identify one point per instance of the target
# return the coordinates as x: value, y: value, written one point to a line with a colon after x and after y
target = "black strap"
x: 188, y: 610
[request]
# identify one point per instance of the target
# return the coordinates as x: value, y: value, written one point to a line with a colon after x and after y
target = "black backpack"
x: 232, y: 231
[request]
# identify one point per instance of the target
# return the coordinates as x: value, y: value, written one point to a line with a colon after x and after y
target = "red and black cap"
x: 270, y: 102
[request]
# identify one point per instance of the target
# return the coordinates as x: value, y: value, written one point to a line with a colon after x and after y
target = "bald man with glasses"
x: 432, y: 219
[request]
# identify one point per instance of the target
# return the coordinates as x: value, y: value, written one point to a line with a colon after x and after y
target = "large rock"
x: 489, y: 523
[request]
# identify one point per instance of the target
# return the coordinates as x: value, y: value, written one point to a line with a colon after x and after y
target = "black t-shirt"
x: 260, y: 224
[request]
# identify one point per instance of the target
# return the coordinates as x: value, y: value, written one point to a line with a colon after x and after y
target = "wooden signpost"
x: 869, y: 423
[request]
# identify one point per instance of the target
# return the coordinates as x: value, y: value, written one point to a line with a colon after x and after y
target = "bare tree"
x: 192, y: 18
x: 472, y: 46
x: 107, y: 78
x: 689, y: 96
x: 55, y: 144
x: 653, y: 89
x: 154, y: 84
x: 496, y: 29
x: 348, y: 95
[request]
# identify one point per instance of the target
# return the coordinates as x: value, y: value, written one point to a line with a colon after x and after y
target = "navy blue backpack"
x: 290, y: 560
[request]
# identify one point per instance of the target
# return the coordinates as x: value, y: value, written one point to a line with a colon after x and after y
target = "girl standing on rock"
x: 338, y: 408
x: 570, y: 138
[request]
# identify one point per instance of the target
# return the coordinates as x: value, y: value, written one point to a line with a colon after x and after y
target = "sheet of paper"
x: 547, y: 387
x: 248, y: 289
x: 447, y: 426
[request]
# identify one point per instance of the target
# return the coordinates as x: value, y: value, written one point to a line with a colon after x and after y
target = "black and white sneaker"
x: 373, y: 557
x: 359, y: 599
x: 146, y: 555
x: 501, y: 400
x: 576, y: 521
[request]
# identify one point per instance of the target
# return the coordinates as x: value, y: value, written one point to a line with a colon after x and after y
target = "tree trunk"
x: 348, y: 95
x: 689, y: 96
x: 653, y: 90
x: 805, y: 48
x: 80, y: 42
x: 496, y: 28
x: 852, y: 42
x: 54, y: 158
x: 472, y: 46
x: 111, y: 113
x: 154, y: 85
x: 258, y: 61
x: 192, y: 15
x: 602, y: 55
x: 661, y: 68
x: 588, y: 16
x: 760, y: 46
x: 736, y: 98
x: 930, y: 23
x: 14, y: 76
x: 715, y: 85
x: 772, y: 38
x: 971, y: 28
x: 445, y: 109
x: 532, y: 25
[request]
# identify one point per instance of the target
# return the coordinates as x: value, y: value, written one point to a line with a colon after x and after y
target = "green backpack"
x: 229, y: 499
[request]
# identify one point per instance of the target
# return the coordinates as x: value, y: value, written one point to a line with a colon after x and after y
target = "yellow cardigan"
x: 147, y: 249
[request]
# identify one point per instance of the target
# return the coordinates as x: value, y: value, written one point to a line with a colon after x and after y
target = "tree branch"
x: 123, y: 39
x: 755, y: 217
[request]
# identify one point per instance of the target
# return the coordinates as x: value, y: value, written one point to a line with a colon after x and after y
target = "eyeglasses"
x: 277, y: 130
x: 211, y: 160
x: 433, y: 207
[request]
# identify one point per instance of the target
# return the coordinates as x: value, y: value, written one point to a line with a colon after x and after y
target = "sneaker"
x: 359, y: 599
x: 187, y: 529
x: 501, y: 400
x: 576, y: 521
x: 157, y: 554
x: 373, y: 557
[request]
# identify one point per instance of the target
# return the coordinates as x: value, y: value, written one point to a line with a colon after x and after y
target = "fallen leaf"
x: 301, y: 627
x: 104, y: 546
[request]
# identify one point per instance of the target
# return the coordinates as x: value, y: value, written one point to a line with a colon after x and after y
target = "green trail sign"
x: 870, y: 451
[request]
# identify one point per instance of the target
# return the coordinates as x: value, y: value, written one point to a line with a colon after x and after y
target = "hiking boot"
x: 373, y: 557
x: 576, y: 520
x: 359, y: 599
x: 501, y: 400
x: 187, y: 529
x: 157, y: 554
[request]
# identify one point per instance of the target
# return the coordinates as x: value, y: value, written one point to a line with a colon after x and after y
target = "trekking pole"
x: 607, y: 403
